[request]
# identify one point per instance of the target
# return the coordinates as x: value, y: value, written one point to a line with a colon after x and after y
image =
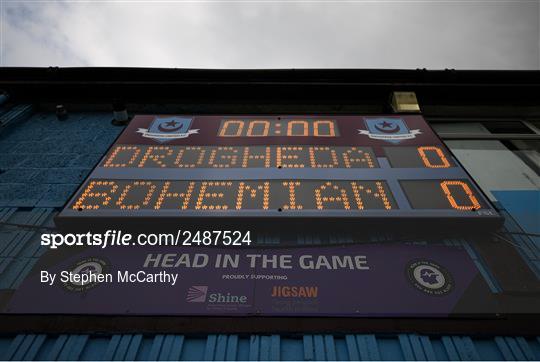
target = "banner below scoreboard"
x: 357, y: 281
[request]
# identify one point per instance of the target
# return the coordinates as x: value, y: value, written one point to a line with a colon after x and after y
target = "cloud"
x: 443, y: 34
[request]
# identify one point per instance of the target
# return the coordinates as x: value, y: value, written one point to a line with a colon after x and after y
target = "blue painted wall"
x: 43, y: 160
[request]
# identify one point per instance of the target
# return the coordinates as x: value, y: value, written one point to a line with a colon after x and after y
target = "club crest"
x: 165, y: 129
x: 392, y: 130
x: 429, y: 277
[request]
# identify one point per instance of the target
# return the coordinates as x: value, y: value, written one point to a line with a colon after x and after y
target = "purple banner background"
x: 383, y: 290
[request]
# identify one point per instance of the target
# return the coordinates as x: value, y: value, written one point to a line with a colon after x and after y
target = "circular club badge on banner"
x: 89, y: 270
x: 430, y: 277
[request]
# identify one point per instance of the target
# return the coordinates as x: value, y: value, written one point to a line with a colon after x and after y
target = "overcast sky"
x: 272, y: 34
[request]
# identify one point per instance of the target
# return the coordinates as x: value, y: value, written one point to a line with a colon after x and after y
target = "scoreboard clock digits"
x: 278, y: 127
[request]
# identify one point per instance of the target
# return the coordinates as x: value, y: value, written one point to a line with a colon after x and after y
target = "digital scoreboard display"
x: 273, y: 169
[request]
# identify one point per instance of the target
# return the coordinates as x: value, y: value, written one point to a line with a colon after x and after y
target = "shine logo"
x: 392, y: 130
x: 165, y: 129
x: 197, y: 294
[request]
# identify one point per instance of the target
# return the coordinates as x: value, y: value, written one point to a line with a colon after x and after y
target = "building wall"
x: 493, y: 166
x: 42, y: 161
x: 318, y: 347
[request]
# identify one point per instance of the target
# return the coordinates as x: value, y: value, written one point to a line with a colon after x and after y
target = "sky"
x: 271, y: 34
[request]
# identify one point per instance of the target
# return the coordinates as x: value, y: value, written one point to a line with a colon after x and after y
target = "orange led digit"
x: 444, y: 162
x: 252, y: 124
x: 227, y: 124
x: 331, y: 130
x: 303, y: 124
x: 445, y: 185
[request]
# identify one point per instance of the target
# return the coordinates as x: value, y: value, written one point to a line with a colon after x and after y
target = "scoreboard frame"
x: 207, y: 133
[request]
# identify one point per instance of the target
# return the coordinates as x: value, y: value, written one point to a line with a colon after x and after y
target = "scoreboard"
x: 318, y: 169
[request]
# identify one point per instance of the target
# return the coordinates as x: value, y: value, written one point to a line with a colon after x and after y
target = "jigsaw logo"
x: 392, y: 130
x: 430, y: 277
x: 165, y: 129
x: 284, y: 291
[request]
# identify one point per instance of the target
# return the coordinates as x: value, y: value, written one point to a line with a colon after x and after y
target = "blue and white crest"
x: 392, y: 130
x: 164, y: 129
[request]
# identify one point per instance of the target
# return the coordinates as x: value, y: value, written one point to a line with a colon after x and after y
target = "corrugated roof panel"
x: 267, y: 347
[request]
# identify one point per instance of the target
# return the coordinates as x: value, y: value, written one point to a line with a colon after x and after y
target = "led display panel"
x: 277, y: 168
